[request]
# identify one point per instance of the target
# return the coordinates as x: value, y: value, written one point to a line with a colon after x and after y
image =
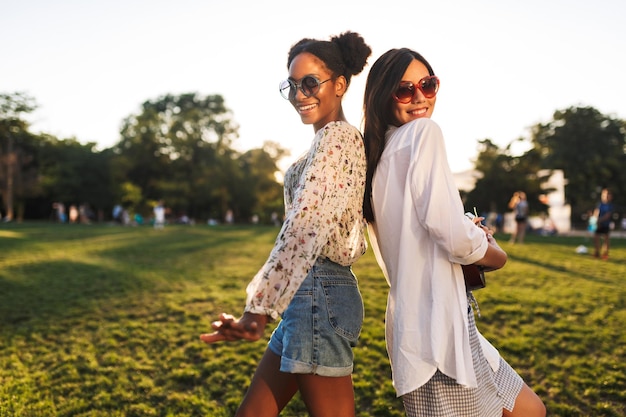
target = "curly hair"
x: 345, y: 54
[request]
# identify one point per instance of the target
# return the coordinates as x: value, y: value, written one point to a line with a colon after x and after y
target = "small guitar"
x: 474, y: 277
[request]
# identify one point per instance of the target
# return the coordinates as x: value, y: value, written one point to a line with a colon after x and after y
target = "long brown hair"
x: 382, y: 80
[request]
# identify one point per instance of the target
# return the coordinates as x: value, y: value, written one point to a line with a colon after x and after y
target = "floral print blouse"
x: 324, y: 217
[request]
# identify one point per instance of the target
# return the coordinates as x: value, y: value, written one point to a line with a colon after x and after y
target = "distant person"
x: 307, y: 279
x: 60, y: 212
x: 117, y: 213
x: 125, y: 217
x: 229, y: 218
x: 499, y: 222
x: 603, y: 214
x: 441, y: 365
x: 519, y: 205
x: 85, y: 214
x: 159, y: 215
x: 592, y: 221
x: 73, y: 214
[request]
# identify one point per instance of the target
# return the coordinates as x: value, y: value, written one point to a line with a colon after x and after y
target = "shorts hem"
x: 297, y: 367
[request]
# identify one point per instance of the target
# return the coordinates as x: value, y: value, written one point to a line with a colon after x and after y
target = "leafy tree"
x: 17, y: 164
x: 178, y: 149
x: 590, y: 149
x: 259, y: 192
x: 74, y: 173
x: 502, y: 174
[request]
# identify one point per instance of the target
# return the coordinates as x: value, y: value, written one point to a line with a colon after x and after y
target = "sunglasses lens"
x: 429, y: 86
x: 310, y: 86
x: 287, y: 88
x: 404, y: 93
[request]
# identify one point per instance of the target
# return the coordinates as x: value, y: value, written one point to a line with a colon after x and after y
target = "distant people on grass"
x: 604, y: 215
x: 519, y: 205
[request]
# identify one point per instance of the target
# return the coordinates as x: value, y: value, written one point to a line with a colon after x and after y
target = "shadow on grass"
x: 577, y: 273
x: 57, y: 288
x: 57, y: 271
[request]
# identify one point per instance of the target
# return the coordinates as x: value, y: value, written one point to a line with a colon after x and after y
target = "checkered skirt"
x: 441, y: 396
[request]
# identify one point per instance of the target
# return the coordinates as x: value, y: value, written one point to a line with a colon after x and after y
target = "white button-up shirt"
x: 421, y: 237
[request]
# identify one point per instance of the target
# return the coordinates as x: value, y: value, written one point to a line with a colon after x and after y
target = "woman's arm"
x: 495, y: 257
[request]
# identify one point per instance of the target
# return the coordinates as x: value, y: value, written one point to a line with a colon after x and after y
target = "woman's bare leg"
x: 270, y: 389
x: 326, y: 396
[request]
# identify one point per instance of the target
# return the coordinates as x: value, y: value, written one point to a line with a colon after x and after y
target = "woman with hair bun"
x: 307, y: 279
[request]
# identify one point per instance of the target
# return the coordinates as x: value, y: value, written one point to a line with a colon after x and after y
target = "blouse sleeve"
x: 318, y: 201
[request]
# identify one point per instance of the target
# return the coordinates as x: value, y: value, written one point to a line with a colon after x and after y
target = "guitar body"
x: 474, y: 277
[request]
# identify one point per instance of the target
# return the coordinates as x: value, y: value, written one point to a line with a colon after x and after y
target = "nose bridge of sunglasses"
x: 413, y: 92
x: 427, y: 87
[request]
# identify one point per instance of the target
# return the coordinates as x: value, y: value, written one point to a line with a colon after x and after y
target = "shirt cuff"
x: 272, y: 314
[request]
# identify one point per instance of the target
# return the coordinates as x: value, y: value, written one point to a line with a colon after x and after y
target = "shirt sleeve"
x: 318, y: 201
x: 439, y: 207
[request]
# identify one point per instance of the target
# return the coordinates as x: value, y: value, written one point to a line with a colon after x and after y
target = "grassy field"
x: 104, y: 321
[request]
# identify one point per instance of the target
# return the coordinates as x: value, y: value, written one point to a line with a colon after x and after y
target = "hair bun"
x: 353, y: 49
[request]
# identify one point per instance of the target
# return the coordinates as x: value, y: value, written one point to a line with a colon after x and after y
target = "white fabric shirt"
x: 420, y: 238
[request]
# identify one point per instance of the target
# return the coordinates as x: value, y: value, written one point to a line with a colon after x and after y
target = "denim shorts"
x: 322, y: 323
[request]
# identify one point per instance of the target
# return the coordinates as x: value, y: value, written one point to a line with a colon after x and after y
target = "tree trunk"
x: 10, y: 165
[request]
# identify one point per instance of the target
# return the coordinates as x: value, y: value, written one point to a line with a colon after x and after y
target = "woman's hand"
x: 249, y: 327
x: 478, y: 221
x: 495, y: 257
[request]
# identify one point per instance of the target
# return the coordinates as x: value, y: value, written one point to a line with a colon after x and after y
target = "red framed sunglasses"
x: 407, y: 91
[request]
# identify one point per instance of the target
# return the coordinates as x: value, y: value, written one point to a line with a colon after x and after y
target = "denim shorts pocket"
x: 345, y: 307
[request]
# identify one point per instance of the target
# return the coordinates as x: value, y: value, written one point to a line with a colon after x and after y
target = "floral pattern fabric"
x: 324, y: 217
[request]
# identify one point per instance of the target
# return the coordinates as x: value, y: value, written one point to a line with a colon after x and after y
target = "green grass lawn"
x: 104, y: 321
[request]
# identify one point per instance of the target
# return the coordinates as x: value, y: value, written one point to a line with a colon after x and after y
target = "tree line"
x: 588, y: 146
x: 179, y: 149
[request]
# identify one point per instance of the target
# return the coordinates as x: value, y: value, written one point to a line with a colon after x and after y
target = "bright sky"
x: 504, y: 65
